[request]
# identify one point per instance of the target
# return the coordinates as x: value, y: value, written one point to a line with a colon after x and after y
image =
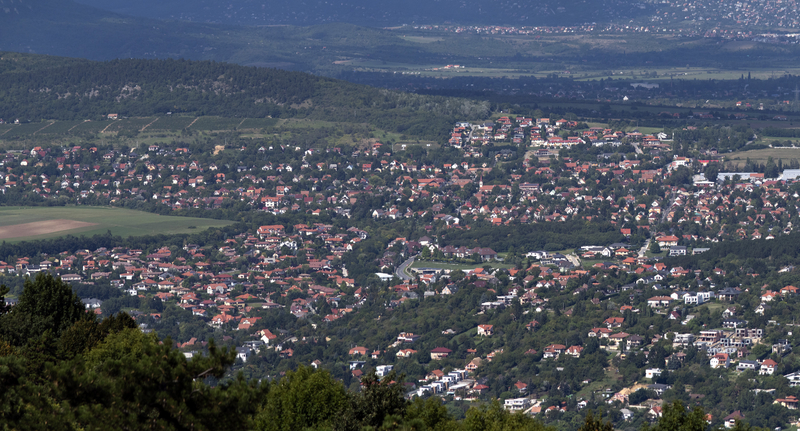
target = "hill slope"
x: 34, y: 87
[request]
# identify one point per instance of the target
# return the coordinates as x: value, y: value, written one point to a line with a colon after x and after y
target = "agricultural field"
x: 146, y: 129
x: 90, y: 127
x: 172, y: 122
x: 761, y: 156
x: 258, y: 123
x: 128, y: 125
x: 31, y: 223
x: 216, y: 123
x: 23, y: 129
x: 61, y: 127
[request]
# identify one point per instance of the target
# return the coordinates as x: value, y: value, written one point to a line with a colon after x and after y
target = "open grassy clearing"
x: 610, y: 376
x: 711, y: 306
x: 97, y: 220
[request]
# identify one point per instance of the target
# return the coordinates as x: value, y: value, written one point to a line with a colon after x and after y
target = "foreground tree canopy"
x: 61, y: 368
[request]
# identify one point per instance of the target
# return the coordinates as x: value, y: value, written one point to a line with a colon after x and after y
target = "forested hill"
x: 33, y: 88
x: 380, y: 12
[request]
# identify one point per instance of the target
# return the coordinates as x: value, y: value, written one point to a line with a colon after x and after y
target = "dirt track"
x: 40, y: 228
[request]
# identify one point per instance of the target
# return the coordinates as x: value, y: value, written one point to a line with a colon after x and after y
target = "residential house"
x: 553, y: 351
x: 720, y: 360
x: 767, y: 367
x: 789, y: 402
x: 440, y: 353
x: 358, y: 351
x: 517, y: 404
x: 485, y: 330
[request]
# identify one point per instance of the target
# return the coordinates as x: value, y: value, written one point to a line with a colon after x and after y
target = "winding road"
x: 401, y: 270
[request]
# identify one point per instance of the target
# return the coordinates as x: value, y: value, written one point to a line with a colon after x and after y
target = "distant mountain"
x: 380, y: 13
x: 66, y: 28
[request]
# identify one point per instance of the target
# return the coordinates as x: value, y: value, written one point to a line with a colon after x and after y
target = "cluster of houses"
x: 280, y: 180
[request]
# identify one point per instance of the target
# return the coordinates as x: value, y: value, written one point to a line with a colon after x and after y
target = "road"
x: 574, y: 259
x: 401, y: 270
x: 636, y: 149
x: 644, y: 248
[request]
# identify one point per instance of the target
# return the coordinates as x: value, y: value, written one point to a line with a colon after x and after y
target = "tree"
x: 495, y: 418
x: 132, y: 381
x: 303, y: 399
x: 595, y: 424
x: 426, y: 253
x: 654, y: 247
x: 4, y: 308
x: 712, y: 172
x: 378, y: 399
x: 430, y: 413
x: 46, y: 304
x: 676, y: 417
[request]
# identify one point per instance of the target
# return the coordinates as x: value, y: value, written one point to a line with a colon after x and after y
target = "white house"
x: 720, y: 360
x: 243, y: 353
x: 793, y: 378
x: 767, y: 367
x: 383, y: 370
x: 652, y: 373
x: 517, y: 404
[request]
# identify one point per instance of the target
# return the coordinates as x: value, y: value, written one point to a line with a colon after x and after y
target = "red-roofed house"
x: 485, y: 330
x: 440, y: 353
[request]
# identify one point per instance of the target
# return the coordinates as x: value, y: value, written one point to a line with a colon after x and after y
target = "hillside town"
x: 618, y: 307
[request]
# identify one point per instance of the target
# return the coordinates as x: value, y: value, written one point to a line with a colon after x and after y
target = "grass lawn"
x: 119, y: 221
x: 712, y: 306
x: 610, y: 376
x: 588, y: 263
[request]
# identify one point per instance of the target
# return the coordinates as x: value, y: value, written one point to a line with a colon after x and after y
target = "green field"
x: 24, y: 129
x: 129, y: 124
x: 135, y: 131
x: 90, y: 127
x: 761, y: 156
x: 258, y: 123
x: 119, y: 221
x: 154, y: 125
x: 60, y: 127
x: 171, y: 123
x: 216, y: 123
